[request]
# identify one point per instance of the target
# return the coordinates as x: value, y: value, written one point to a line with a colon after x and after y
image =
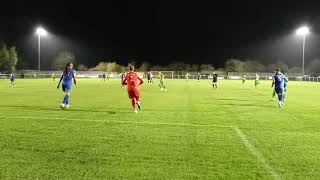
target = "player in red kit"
x: 133, y: 81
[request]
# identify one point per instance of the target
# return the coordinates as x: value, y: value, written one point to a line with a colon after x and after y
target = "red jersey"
x: 132, y: 80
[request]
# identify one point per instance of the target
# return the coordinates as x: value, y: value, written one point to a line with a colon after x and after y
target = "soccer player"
x: 215, y: 81
x: 161, y: 85
x: 122, y: 76
x: 12, y: 79
x: 272, y: 85
x: 133, y: 81
x: 244, y: 78
x: 149, y: 77
x: 257, y: 81
x: 67, y: 76
x: 104, y: 77
x: 280, y: 85
x: 187, y: 76
x: 199, y: 76
x: 53, y: 76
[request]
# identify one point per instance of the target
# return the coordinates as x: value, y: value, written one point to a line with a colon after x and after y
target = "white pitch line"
x: 255, y: 152
x: 120, y: 122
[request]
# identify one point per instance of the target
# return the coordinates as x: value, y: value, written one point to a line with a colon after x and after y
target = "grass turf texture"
x: 185, y: 133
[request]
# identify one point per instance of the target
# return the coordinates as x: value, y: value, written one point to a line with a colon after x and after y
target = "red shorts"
x: 134, y: 93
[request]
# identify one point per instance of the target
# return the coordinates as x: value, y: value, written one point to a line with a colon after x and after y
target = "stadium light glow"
x: 303, y: 31
x: 41, y: 32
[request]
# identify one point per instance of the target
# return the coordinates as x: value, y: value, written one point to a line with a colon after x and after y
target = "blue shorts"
x: 66, y: 87
x: 280, y: 91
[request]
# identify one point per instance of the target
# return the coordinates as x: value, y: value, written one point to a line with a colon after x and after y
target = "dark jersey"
x: 215, y: 78
x: 149, y: 75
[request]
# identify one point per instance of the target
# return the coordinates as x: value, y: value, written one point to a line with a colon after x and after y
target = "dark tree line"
x: 8, y: 58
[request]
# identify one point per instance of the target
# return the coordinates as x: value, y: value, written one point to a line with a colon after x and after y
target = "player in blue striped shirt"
x: 280, y: 86
x: 68, y: 75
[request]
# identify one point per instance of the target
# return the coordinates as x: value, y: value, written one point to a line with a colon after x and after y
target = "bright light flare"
x: 303, y: 31
x: 41, y: 32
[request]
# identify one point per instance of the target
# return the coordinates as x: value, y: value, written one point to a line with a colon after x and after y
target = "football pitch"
x: 188, y: 132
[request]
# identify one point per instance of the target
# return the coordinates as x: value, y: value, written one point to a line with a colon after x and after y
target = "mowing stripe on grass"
x: 255, y: 152
x: 120, y: 122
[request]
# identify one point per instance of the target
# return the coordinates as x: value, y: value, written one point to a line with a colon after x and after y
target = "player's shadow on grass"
x: 90, y: 110
x: 38, y: 108
x: 226, y: 99
x: 245, y: 105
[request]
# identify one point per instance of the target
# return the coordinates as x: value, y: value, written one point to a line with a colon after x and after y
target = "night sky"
x: 161, y: 32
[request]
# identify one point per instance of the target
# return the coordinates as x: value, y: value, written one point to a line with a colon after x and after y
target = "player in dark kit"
x: 122, y: 76
x: 104, y: 77
x: 199, y: 76
x: 215, y: 81
x: 133, y: 81
x: 12, y: 79
x: 149, y: 77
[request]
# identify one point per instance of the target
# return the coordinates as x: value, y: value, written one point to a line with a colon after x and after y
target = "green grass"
x: 187, y: 132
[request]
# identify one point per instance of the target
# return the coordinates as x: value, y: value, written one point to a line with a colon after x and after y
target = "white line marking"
x: 120, y: 122
x: 255, y: 152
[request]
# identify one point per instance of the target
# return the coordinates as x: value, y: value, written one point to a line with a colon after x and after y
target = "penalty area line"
x: 256, y: 153
x: 119, y: 122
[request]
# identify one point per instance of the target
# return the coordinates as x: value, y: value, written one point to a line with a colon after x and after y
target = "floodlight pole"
x: 39, y: 48
x: 303, y: 47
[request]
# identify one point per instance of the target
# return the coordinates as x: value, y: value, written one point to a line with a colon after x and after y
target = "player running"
x: 187, y: 76
x: 133, y: 81
x: 280, y: 85
x: 257, y: 81
x: 149, y: 77
x: 161, y: 85
x: 244, y: 78
x: 215, y: 81
x: 67, y: 76
x: 12, y: 79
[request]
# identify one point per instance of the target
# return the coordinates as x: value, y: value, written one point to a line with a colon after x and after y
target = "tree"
x: 8, y: 58
x: 254, y: 66
x: 62, y: 59
x: 120, y: 68
x: 4, y: 58
x: 13, y: 59
x: 82, y: 67
x: 193, y: 68
x: 313, y: 67
x: 157, y: 68
x: 235, y: 65
x: 176, y: 66
x: 279, y: 65
x: 109, y: 67
x: 295, y: 70
x: 206, y: 68
x: 145, y: 66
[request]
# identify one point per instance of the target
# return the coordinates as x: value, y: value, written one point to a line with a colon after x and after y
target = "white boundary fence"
x: 155, y: 74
